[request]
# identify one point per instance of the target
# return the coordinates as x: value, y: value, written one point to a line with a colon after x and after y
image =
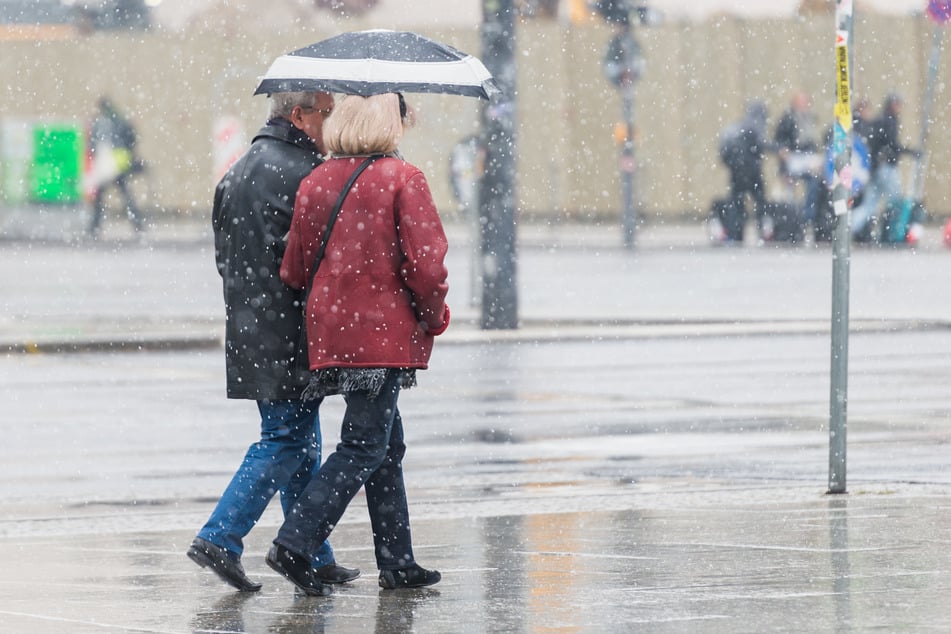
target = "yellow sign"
x: 843, y: 104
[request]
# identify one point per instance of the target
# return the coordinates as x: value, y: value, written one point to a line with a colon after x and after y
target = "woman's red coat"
x: 378, y: 298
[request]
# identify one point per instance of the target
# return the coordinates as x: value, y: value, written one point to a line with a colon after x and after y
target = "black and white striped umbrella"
x: 379, y: 61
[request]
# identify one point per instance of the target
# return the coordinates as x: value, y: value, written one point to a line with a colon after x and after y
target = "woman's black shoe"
x: 414, y: 576
x: 223, y: 563
x: 296, y: 569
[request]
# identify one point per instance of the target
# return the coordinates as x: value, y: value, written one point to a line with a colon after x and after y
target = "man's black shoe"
x: 412, y: 577
x: 296, y: 569
x: 335, y: 573
x: 223, y: 563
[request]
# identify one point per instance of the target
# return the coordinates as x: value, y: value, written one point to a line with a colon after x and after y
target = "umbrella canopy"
x: 379, y: 61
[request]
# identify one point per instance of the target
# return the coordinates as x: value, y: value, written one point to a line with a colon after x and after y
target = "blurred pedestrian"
x: 800, y: 156
x: 885, y: 149
x: 861, y: 120
x: 378, y: 300
x: 742, y: 147
x: 265, y: 351
x: 113, y: 161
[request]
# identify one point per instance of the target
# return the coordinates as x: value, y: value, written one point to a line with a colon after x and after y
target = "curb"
x: 540, y: 331
x: 468, y: 333
x: 106, y: 344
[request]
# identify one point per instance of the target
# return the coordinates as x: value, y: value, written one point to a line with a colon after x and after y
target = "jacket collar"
x: 283, y: 130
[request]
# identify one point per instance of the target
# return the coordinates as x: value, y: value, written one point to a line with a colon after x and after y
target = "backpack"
x: 730, y: 146
x: 124, y: 133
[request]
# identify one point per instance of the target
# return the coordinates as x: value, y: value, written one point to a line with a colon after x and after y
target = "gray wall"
x: 699, y: 76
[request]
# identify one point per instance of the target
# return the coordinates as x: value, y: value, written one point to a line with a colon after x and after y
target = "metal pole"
x: 841, y: 193
x: 475, y: 267
x: 918, y: 186
x: 497, y: 189
x: 628, y: 209
x: 624, y: 65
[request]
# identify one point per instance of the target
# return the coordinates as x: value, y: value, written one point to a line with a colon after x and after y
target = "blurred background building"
x: 184, y: 14
x: 183, y: 70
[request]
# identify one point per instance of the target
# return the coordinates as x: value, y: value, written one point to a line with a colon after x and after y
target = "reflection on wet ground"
x: 674, y: 486
x: 728, y: 560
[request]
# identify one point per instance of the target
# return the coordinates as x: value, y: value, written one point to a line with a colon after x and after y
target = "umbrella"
x: 379, y: 61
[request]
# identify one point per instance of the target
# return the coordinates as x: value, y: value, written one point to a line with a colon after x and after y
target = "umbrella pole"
x: 841, y: 193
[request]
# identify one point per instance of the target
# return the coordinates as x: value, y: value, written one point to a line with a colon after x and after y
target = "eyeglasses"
x: 325, y: 112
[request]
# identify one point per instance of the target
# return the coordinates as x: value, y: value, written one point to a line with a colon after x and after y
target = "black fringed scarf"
x: 329, y: 381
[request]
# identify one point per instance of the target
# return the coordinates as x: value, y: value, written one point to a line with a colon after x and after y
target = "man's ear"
x: 295, y: 117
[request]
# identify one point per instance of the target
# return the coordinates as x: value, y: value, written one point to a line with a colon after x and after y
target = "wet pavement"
x: 648, y: 453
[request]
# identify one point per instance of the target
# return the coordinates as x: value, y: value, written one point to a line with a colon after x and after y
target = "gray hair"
x: 283, y: 103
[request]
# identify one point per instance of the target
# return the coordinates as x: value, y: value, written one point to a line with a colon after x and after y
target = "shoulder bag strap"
x: 333, y: 219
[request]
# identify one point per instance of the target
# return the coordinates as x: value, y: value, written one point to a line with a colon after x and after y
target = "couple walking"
x: 378, y: 300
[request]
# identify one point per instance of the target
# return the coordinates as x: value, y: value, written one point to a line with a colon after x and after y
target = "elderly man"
x: 265, y: 353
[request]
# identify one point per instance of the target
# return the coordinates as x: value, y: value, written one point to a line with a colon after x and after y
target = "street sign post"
x: 939, y: 11
x: 841, y: 193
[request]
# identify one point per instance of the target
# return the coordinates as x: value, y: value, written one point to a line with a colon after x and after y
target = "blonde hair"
x: 364, y: 125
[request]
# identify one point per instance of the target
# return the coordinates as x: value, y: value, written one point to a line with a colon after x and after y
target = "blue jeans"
x: 884, y: 183
x: 370, y: 454
x: 285, y: 460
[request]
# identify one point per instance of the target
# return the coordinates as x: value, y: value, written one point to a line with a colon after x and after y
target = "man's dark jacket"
x: 254, y: 204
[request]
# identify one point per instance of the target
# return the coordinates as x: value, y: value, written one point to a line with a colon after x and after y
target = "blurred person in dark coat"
x: 743, y: 147
x: 797, y: 143
x: 113, y: 161
x: 861, y: 121
x: 885, y: 149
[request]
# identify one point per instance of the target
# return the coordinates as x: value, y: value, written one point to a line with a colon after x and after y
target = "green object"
x: 56, y: 174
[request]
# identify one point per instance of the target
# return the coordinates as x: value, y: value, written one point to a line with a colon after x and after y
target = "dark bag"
x: 732, y: 218
x: 823, y: 225
x: 731, y: 147
x: 897, y: 219
x: 788, y: 222
x: 323, y: 247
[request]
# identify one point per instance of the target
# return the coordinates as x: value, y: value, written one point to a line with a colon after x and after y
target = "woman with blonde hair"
x: 377, y: 301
